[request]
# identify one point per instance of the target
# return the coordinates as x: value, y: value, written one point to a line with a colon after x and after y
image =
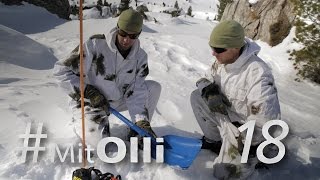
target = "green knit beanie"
x: 227, y: 34
x: 130, y: 21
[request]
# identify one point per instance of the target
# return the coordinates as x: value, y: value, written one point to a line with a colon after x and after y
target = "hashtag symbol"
x: 36, y: 147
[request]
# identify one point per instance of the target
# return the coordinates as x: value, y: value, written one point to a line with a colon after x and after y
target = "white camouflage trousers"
x: 206, y: 119
x: 217, y: 127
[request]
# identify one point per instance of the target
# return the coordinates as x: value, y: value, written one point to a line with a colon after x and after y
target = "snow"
x: 32, y: 39
x: 28, y: 19
x: 92, y: 13
x: 253, y: 1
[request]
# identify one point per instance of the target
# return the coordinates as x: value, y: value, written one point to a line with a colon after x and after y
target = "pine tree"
x: 74, y: 10
x: 176, y: 5
x: 105, y: 3
x: 307, y: 59
x: 99, y: 3
x: 222, y: 5
x: 189, y: 13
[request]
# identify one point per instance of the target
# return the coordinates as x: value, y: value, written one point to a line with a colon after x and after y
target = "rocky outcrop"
x: 267, y: 20
x: 59, y: 7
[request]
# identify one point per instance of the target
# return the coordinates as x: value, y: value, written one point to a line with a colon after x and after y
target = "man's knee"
x: 195, y: 97
x: 153, y: 87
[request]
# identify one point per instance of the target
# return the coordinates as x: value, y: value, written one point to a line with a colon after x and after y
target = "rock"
x: 267, y: 20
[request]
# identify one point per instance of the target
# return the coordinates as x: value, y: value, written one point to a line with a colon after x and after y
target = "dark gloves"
x: 97, y: 100
x: 145, y: 125
x: 215, y: 100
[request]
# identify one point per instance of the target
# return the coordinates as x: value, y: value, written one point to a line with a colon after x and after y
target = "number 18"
x: 269, y: 140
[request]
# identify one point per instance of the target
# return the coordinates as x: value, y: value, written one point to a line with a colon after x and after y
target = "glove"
x: 145, y: 125
x: 216, y: 101
x: 97, y: 100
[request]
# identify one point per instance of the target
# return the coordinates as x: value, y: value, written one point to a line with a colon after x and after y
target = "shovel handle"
x: 134, y: 127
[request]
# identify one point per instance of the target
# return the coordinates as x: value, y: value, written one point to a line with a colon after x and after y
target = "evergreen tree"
x: 99, y: 6
x: 176, y: 5
x: 105, y: 3
x: 189, y: 13
x: 307, y: 59
x: 99, y: 3
x: 222, y: 5
x: 74, y: 10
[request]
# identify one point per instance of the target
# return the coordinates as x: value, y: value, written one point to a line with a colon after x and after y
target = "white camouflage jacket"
x: 104, y: 67
x: 249, y: 85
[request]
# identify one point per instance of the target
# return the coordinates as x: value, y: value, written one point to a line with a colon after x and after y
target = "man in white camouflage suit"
x: 239, y: 87
x: 115, y: 69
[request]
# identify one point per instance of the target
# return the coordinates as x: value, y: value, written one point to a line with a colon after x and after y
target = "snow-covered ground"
x: 178, y: 55
x: 201, y: 9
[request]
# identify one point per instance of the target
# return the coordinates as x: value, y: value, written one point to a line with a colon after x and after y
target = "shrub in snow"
x: 307, y: 59
x: 142, y: 9
x: 124, y: 5
x: 174, y: 12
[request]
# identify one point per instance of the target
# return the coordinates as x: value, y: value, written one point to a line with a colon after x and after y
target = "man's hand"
x: 144, y: 124
x: 215, y: 100
x: 97, y: 100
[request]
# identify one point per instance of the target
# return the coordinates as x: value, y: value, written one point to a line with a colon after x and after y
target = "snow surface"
x: 178, y: 55
x: 253, y: 1
x: 201, y: 9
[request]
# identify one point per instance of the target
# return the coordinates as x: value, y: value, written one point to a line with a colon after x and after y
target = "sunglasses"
x: 218, y: 50
x: 122, y: 33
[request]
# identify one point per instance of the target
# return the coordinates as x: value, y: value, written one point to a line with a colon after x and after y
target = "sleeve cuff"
x: 202, y: 83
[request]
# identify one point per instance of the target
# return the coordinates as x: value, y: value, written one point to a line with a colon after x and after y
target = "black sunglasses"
x: 218, y: 50
x: 122, y: 33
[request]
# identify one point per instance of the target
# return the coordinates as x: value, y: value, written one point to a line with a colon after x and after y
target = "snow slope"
x: 178, y: 55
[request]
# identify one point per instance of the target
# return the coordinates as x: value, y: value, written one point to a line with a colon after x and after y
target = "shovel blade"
x: 180, y: 151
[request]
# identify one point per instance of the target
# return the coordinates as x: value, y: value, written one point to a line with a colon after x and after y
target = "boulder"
x: 267, y: 20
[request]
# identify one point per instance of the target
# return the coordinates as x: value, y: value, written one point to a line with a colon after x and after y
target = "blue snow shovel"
x: 178, y: 151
